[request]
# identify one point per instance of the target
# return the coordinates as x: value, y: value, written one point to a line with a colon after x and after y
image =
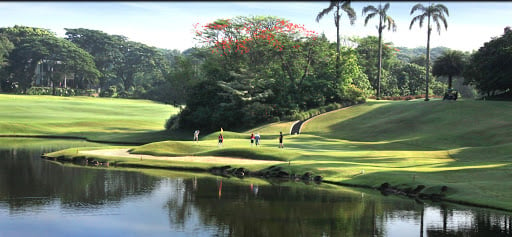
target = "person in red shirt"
x: 221, y: 140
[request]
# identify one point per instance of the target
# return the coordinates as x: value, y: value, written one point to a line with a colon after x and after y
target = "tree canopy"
x: 260, y: 69
x: 490, y: 68
x: 33, y: 46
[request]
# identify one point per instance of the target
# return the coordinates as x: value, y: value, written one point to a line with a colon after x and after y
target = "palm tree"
x: 383, y: 18
x: 450, y: 63
x: 337, y: 5
x: 436, y: 12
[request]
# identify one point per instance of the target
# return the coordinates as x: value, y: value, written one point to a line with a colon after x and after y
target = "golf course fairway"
x: 461, y: 149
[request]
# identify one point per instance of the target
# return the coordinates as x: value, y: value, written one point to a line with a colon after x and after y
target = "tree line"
x: 249, y: 70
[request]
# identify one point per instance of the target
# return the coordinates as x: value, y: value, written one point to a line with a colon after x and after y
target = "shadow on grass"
x: 432, y: 125
x: 308, y: 141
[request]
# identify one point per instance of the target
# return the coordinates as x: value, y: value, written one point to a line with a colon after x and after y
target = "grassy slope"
x: 404, y: 143
x: 102, y: 119
x: 464, y: 145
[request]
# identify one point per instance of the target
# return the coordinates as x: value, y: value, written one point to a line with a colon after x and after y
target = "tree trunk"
x: 449, y: 81
x: 337, y: 21
x: 428, y: 57
x: 380, y: 60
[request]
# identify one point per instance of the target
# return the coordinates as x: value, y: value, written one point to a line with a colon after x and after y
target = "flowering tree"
x: 258, y: 46
x: 261, y: 69
x: 240, y: 34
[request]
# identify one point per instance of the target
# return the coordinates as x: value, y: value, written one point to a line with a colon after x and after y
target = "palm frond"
x: 444, y: 22
x: 350, y: 11
x: 416, y: 18
x: 437, y: 25
x: 416, y: 7
x: 442, y: 8
x: 325, y: 11
x: 370, y: 16
x: 436, y: 19
x: 369, y: 8
x: 391, y: 23
x: 386, y: 7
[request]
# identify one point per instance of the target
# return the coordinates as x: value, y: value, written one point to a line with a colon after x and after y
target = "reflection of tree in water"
x: 446, y: 220
x: 23, y: 174
x: 234, y: 209
x: 273, y: 211
x: 478, y: 223
x: 181, y: 203
x: 301, y: 211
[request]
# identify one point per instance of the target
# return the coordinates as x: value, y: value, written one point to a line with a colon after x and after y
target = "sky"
x: 169, y: 25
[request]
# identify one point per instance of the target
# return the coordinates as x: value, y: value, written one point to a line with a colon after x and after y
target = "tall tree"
x: 337, y: 6
x: 6, y: 47
x: 490, y: 67
x: 436, y: 13
x: 33, y: 46
x: 450, y: 64
x: 106, y: 50
x: 264, y: 69
x: 383, y: 18
x: 368, y: 56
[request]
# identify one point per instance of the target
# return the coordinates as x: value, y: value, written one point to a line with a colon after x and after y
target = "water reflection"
x: 60, y: 200
x: 284, y: 210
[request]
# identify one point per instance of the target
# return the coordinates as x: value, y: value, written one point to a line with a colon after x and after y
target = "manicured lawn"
x: 100, y: 119
x: 465, y: 145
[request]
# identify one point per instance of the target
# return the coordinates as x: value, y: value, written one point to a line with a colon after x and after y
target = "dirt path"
x: 203, y: 159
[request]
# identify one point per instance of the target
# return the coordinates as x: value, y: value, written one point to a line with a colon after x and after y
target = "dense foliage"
x: 56, y: 56
x: 490, y: 68
x: 399, y: 78
x: 261, y: 69
x: 247, y: 70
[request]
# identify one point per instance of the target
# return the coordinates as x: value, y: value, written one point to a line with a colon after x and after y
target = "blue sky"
x: 170, y: 24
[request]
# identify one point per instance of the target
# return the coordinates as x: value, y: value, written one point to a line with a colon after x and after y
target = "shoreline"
x: 226, y: 169
x: 70, y: 138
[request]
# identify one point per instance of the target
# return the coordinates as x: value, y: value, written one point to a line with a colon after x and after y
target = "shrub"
x: 35, y: 90
x: 173, y: 122
x: 354, y: 94
x: 110, y: 92
x: 39, y: 91
x: 275, y: 119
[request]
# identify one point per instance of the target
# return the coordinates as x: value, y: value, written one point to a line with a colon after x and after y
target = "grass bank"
x: 97, y: 119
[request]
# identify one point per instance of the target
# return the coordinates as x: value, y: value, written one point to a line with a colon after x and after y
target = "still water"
x: 43, y: 198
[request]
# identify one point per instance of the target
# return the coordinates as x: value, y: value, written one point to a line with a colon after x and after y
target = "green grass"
x: 98, y: 119
x: 231, y: 148
x: 465, y: 145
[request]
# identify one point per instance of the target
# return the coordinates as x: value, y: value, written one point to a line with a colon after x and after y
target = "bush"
x: 110, y: 92
x: 173, y: 122
x: 39, y: 91
x: 58, y: 91
x: 353, y: 94
x: 275, y: 119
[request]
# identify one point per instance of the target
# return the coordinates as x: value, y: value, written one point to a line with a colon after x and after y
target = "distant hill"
x: 406, y: 54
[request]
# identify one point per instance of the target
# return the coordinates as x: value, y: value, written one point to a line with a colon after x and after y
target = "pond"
x: 44, y: 198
